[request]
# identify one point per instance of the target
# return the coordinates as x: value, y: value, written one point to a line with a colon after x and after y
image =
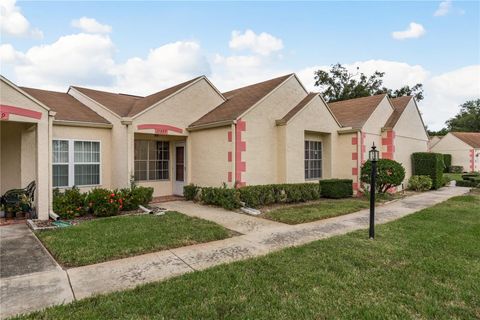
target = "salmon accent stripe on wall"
x: 389, y: 145
x: 159, y: 128
x: 355, y: 158
x: 6, y: 110
x: 472, y: 160
x: 240, y: 147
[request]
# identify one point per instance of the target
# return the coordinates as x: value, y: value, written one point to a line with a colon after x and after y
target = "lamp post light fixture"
x: 373, y: 156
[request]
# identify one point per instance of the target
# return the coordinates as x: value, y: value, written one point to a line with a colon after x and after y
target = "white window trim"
x: 321, y: 160
x: 148, y: 162
x: 71, y: 163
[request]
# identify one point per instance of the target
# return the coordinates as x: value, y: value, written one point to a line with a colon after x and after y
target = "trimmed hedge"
x: 468, y: 183
x: 253, y: 196
x: 336, y: 188
x: 455, y: 169
x: 447, y: 161
x: 262, y: 195
x: 429, y: 164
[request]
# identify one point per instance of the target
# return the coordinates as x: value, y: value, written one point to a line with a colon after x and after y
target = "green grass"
x: 424, y: 266
x: 321, y: 210
x: 454, y: 176
x: 118, y: 237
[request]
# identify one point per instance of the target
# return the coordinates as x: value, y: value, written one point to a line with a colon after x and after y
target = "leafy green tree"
x: 468, y: 119
x: 440, y: 132
x: 339, y: 84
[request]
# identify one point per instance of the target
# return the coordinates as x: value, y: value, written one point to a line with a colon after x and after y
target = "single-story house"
x: 464, y: 148
x: 433, y: 140
x: 270, y: 132
x: 395, y: 126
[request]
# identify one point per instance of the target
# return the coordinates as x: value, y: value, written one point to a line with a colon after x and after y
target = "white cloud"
x: 164, y: 66
x: 263, y: 43
x: 14, y: 23
x: 443, y: 8
x: 414, y: 30
x: 8, y: 54
x: 91, y: 25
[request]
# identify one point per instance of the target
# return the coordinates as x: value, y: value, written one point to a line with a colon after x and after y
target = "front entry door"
x: 180, y: 169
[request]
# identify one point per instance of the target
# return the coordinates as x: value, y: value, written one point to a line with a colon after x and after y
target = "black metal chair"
x: 15, y: 198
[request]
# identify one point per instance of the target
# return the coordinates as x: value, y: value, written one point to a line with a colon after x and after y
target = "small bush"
x: 390, y: 173
x: 420, y: 183
x: 336, y: 188
x: 447, y: 161
x: 429, y: 164
x: 135, y: 196
x: 455, y: 169
x: 467, y: 176
x: 69, y: 204
x: 104, y: 203
x: 190, y: 192
x: 468, y: 183
x: 227, y: 198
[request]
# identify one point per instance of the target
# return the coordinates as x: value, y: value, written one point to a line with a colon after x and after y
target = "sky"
x: 143, y: 47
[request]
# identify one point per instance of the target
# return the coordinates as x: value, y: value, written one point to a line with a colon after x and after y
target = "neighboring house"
x: 395, y: 126
x: 433, y: 140
x: 270, y: 132
x: 464, y: 148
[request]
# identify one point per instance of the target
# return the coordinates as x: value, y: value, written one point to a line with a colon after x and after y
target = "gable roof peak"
x: 355, y: 112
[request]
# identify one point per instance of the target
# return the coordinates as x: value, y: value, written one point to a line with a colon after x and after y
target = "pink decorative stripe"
x: 354, y: 155
x: 240, y: 146
x: 387, y: 155
x: 354, y: 171
x: 472, y: 160
x: 6, y: 110
x: 388, y: 144
x: 229, y: 156
x: 355, y: 186
x: 159, y: 128
x: 229, y: 176
x: 354, y: 141
x: 229, y: 136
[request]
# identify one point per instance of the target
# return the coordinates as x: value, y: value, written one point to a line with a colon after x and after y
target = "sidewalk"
x: 259, y: 237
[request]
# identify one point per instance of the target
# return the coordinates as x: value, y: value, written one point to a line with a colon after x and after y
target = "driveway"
x: 29, y: 277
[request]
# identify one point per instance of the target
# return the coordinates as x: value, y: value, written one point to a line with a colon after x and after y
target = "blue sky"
x: 190, y: 38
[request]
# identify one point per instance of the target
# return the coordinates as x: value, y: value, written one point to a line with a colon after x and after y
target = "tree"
x: 440, y: 132
x: 468, y: 119
x: 339, y: 84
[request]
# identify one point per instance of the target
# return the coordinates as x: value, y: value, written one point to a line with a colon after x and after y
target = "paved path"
x: 259, y: 237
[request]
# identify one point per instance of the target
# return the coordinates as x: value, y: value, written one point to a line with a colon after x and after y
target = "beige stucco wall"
x: 261, y: 132
x: 183, y: 108
x: 104, y: 136
x: 10, y: 155
x: 209, y: 156
x: 316, y: 123
x: 120, y: 139
x: 459, y: 150
x: 12, y: 96
x: 373, y: 126
x: 410, y: 137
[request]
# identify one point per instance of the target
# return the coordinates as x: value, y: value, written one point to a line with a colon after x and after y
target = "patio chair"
x: 15, y: 198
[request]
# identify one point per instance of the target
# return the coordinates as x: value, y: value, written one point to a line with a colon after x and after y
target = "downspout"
x: 128, y: 122
x: 51, y: 117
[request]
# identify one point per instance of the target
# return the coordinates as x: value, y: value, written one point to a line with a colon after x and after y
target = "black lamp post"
x: 373, y: 156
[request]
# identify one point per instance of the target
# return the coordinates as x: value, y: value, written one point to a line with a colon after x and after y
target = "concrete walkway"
x: 259, y: 237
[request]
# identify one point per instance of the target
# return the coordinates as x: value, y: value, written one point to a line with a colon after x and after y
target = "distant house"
x: 394, y: 125
x: 464, y: 148
x: 433, y: 140
x: 274, y: 131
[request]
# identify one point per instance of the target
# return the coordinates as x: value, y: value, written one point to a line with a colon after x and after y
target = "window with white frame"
x: 151, y: 160
x: 76, y: 162
x: 313, y: 159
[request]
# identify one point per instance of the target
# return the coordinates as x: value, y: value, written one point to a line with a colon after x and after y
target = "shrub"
x: 104, y: 203
x: 135, y: 196
x: 69, y: 204
x: 429, y: 164
x: 390, y: 173
x: 468, y: 183
x: 420, y: 183
x: 190, y: 192
x: 447, y: 162
x: 227, y: 198
x: 455, y: 169
x: 336, y: 188
x: 446, y: 180
x: 467, y: 176
x: 262, y: 195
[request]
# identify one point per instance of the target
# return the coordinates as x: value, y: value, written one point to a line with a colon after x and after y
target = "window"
x: 76, y: 163
x: 152, y: 160
x: 313, y: 159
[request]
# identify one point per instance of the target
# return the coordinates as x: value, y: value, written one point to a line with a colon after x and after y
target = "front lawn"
x: 118, y: 237
x: 424, y: 266
x: 320, y: 210
x: 453, y: 176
